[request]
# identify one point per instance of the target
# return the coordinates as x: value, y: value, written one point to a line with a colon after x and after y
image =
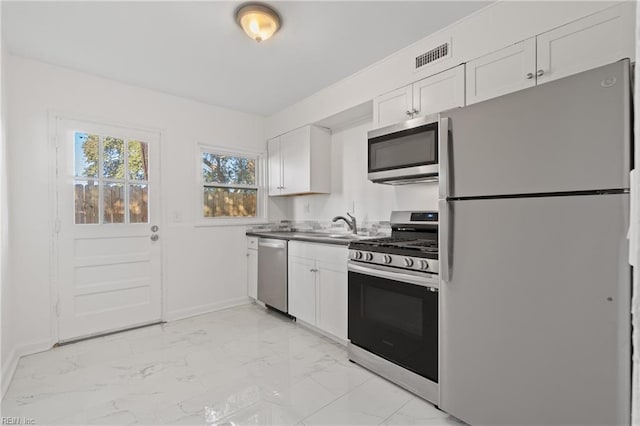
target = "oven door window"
x: 408, y: 148
x: 396, y: 321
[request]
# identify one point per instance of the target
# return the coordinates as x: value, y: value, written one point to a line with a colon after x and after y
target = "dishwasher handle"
x: 272, y: 243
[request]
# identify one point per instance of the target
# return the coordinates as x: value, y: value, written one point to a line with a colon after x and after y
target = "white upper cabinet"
x: 274, y: 159
x: 591, y: 42
x: 300, y: 162
x: 502, y: 72
x: 431, y: 95
x: 439, y: 92
x: 393, y: 107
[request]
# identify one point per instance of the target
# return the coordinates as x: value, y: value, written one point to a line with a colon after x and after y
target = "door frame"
x: 54, y: 116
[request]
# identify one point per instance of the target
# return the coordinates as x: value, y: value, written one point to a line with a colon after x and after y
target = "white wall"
x: 491, y: 28
x: 350, y: 187
x: 203, y: 267
x: 6, y: 335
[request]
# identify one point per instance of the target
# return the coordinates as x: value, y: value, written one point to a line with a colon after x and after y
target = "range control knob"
x: 408, y: 261
x: 424, y: 264
x: 386, y: 259
x: 368, y: 257
x: 357, y: 255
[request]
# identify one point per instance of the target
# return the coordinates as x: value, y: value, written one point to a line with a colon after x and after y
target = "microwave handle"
x: 443, y: 154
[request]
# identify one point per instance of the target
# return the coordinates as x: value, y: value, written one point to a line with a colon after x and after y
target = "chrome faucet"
x: 352, y: 224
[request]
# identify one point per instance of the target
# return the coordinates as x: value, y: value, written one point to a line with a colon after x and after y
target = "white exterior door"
x: 439, y: 92
x: 507, y: 70
x: 108, y: 246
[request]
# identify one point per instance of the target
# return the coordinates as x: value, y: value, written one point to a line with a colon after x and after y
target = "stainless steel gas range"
x: 393, y: 303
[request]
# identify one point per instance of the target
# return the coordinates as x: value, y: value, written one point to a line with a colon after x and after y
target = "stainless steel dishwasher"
x: 272, y: 273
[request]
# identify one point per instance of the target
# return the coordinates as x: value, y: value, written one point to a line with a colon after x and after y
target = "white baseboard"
x: 9, y: 365
x: 205, y: 309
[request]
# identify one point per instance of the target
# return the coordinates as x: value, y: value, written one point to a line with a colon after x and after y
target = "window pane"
x: 233, y: 202
x: 113, y: 203
x: 138, y: 158
x: 228, y: 169
x: 86, y: 200
x: 86, y: 154
x: 138, y: 208
x: 113, y: 158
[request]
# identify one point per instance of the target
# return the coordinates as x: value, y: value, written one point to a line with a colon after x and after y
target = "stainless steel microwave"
x: 404, y: 153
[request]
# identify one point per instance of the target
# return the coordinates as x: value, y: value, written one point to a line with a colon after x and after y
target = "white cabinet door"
x: 274, y: 158
x: 332, y: 299
x: 296, y: 161
x: 302, y: 289
x: 505, y: 71
x: 439, y: 92
x: 252, y: 273
x: 596, y: 40
x: 393, y: 107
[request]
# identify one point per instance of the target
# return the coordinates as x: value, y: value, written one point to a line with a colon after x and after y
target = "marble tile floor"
x: 240, y: 366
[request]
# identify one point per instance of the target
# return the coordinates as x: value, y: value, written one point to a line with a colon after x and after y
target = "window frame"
x: 261, y: 207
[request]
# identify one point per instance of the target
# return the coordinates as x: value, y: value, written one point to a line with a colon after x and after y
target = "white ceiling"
x: 196, y: 50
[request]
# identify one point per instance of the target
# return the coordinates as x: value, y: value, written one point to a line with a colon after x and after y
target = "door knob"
x: 154, y: 228
x: 154, y: 237
x: 540, y: 73
x: 529, y: 75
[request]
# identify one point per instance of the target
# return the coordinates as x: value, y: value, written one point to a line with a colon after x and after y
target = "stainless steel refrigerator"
x: 536, y: 285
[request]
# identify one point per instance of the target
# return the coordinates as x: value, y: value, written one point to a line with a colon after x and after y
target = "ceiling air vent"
x: 433, y: 55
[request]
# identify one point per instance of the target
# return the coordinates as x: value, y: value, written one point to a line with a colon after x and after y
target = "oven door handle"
x: 423, y: 281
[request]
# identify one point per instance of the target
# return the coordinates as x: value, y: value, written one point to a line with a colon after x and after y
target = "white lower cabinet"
x: 252, y: 267
x: 302, y: 289
x: 318, y: 286
x: 332, y: 299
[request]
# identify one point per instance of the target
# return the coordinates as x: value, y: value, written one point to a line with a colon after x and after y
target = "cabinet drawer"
x: 252, y: 243
x: 321, y: 252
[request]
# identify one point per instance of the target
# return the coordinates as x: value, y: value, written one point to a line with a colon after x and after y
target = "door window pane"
x: 233, y: 202
x: 227, y: 169
x: 86, y: 194
x: 113, y: 158
x: 86, y: 154
x: 138, y: 207
x: 113, y: 202
x: 138, y: 157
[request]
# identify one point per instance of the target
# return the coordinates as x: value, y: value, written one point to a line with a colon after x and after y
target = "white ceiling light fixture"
x: 258, y: 20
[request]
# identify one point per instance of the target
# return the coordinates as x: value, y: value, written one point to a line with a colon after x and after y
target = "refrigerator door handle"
x: 445, y: 241
x: 443, y: 154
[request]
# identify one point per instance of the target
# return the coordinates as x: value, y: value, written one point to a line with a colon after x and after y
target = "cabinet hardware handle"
x: 540, y: 73
x: 529, y: 75
x: 408, y: 112
x: 313, y: 270
x: 414, y: 112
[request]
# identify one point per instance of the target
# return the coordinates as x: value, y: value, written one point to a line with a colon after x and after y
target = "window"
x: 230, y: 185
x: 111, y: 182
